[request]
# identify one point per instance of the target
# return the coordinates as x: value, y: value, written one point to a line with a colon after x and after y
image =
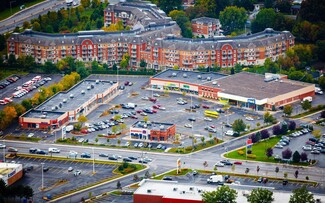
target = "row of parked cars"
x: 285, y: 140
x: 315, y: 146
x: 8, y: 81
x: 30, y: 86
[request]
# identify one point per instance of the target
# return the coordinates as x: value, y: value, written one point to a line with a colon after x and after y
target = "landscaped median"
x: 121, y: 170
x: 256, y: 177
x: 312, y: 110
x: 197, y: 147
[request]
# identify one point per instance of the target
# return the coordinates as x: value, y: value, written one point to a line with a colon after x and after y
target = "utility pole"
x: 42, y: 176
x: 93, y: 160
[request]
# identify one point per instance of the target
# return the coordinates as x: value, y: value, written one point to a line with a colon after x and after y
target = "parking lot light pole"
x: 4, y: 152
x: 42, y: 176
x: 93, y: 160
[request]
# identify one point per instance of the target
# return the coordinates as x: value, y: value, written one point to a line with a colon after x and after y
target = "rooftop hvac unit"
x: 162, y: 127
x: 92, y: 86
x: 82, y: 91
x: 56, y: 107
x: 148, y: 191
x: 43, y: 116
x: 53, y: 108
x: 208, y: 78
x: 175, y: 189
x: 60, y: 105
x: 97, y: 81
x: 185, y: 75
x: 214, y: 83
x: 88, y: 88
x: 191, y: 188
x: 71, y: 96
x: 174, y: 74
x: 199, y: 77
x: 64, y: 100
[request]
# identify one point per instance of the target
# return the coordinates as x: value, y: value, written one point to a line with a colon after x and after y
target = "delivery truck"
x: 215, y: 179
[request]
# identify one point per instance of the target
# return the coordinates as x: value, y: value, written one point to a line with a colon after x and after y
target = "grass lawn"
x: 258, y: 149
x: 7, y: 13
x: 173, y: 173
x: 198, y: 147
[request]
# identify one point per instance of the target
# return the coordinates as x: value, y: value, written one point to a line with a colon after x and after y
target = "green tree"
x: 96, y: 139
x: 321, y: 82
x: 287, y: 110
x: 85, y: 3
x: 27, y: 103
x: 238, y: 125
x: 169, y: 5
x: 302, y: 195
x: 118, y: 142
x: 223, y: 194
x: 99, y: 23
x: 312, y: 10
x: 26, y: 25
x: 143, y: 64
x: 268, y: 117
x: 260, y: 195
x: 306, y: 105
x: 264, y: 19
x: 82, y: 119
x: 125, y: 61
x: 82, y: 71
x: 183, y: 21
x: 233, y: 18
x: 296, y: 157
x: 114, y: 129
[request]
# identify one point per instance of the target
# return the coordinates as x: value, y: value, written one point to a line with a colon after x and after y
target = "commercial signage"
x: 186, y: 86
x: 64, y: 132
x: 251, y: 100
x: 12, y: 173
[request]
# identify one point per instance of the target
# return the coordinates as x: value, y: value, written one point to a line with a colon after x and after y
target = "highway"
x: 163, y: 162
x: 29, y: 13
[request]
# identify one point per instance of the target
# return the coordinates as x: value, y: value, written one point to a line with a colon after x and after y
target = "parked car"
x: 70, y: 169
x: 77, y: 173
x: 192, y: 119
x: 219, y: 164
x: 188, y: 125
x: 167, y: 178
x: 85, y: 155
x: 226, y: 162
x: 207, y: 119
x: 103, y: 155
x: 205, y: 106
x: 238, y: 163
x: 12, y: 149
x: 127, y: 159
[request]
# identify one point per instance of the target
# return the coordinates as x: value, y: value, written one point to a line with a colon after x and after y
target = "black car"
x: 112, y: 158
x: 103, y: 155
x: 192, y: 119
x: 143, y: 161
x: 197, y: 106
x: 132, y: 158
x: 32, y: 150
x: 41, y: 152
x: 127, y: 160
x: 228, y: 125
x: 85, y: 155
x: 45, y: 169
x: 167, y: 178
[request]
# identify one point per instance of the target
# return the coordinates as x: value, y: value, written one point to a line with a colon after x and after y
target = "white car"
x: 156, y: 95
x: 307, y: 148
x: 207, y: 119
x: 140, y: 145
x: 30, y: 135
x: 230, y: 132
x: 70, y: 169
x: 219, y: 164
x: 181, y: 102
x: 279, y: 146
x: 162, y: 108
x: 249, y: 118
x: 145, y: 98
x: 48, y: 79
x: 2, y: 146
x: 188, y: 125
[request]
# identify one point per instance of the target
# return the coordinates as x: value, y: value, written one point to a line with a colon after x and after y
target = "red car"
x: 154, y: 111
x: 155, y: 107
x: 126, y: 83
x: 84, y: 131
x: 152, y: 99
x: 139, y: 111
x: 205, y: 107
x: 238, y: 163
x: 134, y: 117
x: 212, y: 126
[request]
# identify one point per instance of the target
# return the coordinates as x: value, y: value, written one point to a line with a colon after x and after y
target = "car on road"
x: 70, y: 169
x: 77, y: 173
x: 167, y: 178
x: 205, y: 106
x: 38, y: 151
x: 219, y: 164
x: 103, y: 155
x: 112, y: 158
x: 132, y: 158
x: 188, y: 125
x: 230, y: 132
x: 143, y: 161
x: 156, y: 95
x: 262, y: 180
x: 85, y: 155
x: 226, y: 162
x: 12, y: 149
x: 238, y: 163
x: 192, y: 119
x: 2, y: 146
x: 220, y: 111
x: 207, y: 119
x: 127, y: 159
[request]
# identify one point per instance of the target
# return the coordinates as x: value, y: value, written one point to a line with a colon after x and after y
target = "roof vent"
x: 175, y: 189
x: 199, y: 77
x: 97, y: 81
x: 191, y: 188
x: 71, y: 96
x: 64, y: 100
x: 56, y: 107
x: 43, y: 116
x: 148, y: 191
x: 53, y: 108
x: 208, y: 78
x: 199, y: 191
x: 185, y: 75
x: 60, y: 105
x: 214, y: 82
x: 82, y: 91
x: 174, y: 74
x: 88, y: 88
x: 162, y: 127
x: 92, y: 86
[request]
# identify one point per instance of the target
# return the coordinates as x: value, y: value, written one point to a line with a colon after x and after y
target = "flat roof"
x: 38, y: 114
x: 193, y: 77
x: 90, y: 88
x: 252, y: 85
x: 6, y: 168
x: 175, y: 190
x: 152, y: 125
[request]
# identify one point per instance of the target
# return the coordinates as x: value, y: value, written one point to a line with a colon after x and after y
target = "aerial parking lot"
x: 189, y: 116
x: 18, y: 87
x: 61, y: 176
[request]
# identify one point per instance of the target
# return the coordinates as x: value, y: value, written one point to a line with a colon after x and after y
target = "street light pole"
x: 93, y: 160
x: 10, y: 6
x: 4, y: 152
x: 42, y: 176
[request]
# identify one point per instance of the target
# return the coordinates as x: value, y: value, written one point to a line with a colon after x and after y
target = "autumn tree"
x: 82, y: 119
x: 260, y: 195
x: 287, y: 110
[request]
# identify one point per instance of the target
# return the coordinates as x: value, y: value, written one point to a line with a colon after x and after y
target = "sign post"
x: 179, y: 165
x: 248, y: 145
x: 64, y: 132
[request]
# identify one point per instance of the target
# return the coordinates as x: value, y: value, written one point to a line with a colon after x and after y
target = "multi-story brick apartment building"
x: 207, y: 27
x: 155, y: 40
